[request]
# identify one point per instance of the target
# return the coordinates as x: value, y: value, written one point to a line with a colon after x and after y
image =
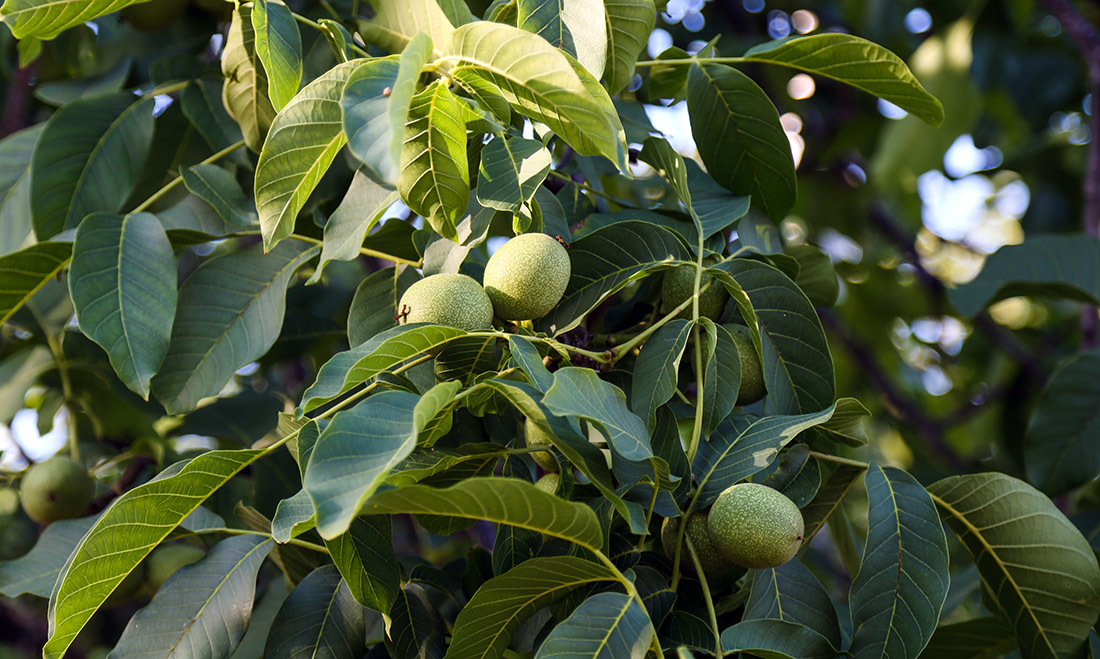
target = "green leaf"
x: 123, y: 285
x: 18, y: 373
x: 512, y: 169
x: 739, y: 136
x: 792, y: 593
x: 16, y: 151
x: 405, y: 86
x: 383, y: 352
x: 36, y: 571
x: 1062, y: 444
x: 417, y: 630
x: 629, y: 24
x: 88, y: 159
x: 498, y: 500
x: 375, y: 302
x: 304, y: 138
x: 576, y: 26
x: 293, y: 516
x: 721, y: 374
x: 367, y: 118
x: 580, y: 392
x: 847, y: 425
x: 798, y: 367
x: 1065, y: 266
x: 279, y: 49
x: 777, y: 639
x: 146, y: 514
x: 435, y: 177
x: 816, y: 275
x: 203, y: 609
x: 538, y: 81
x: 604, y: 625
x: 902, y: 582
x: 396, y: 22
x: 979, y: 638
x: 230, y: 312
x: 319, y: 618
x: 45, y: 19
x: 530, y: 362
x: 360, y: 210
x: 656, y: 369
x: 796, y: 474
x: 487, y: 623
x: 1040, y: 571
x: 513, y: 546
x: 828, y: 498
x: 364, y: 555
x: 605, y: 261
x: 219, y: 188
x: 245, y: 91
x: 28, y: 270
x: 856, y: 62
x: 202, y: 104
x: 741, y: 447
x: 354, y: 454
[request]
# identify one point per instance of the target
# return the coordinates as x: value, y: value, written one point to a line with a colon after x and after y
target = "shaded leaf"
x: 581, y: 393
x: 16, y: 151
x: 978, y: 638
x: 364, y: 555
x: 792, y: 593
x: 219, y: 188
x: 201, y: 103
x: 374, y: 304
x: 367, y: 119
x: 36, y: 571
x: 604, y: 625
x: 656, y: 368
x: 777, y: 639
x: 417, y: 631
x: 28, y: 270
x: 319, y: 619
x: 511, y: 171
x: 828, y: 498
x: 362, y: 207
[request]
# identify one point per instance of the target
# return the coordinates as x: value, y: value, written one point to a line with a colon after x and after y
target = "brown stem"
x: 15, y: 106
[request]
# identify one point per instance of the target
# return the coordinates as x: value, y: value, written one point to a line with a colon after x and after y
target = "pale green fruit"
x: 534, y: 436
x: 714, y: 564
x: 155, y: 15
x: 549, y: 483
x: 527, y: 276
x: 679, y: 285
x: 755, y: 526
x: 58, y: 488
x: 166, y: 559
x: 752, y: 375
x: 447, y: 299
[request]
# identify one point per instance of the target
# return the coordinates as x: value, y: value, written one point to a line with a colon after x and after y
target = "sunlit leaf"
x: 608, y: 624
x: 245, y: 93
x: 629, y: 23
x: 576, y: 26
x: 279, y: 48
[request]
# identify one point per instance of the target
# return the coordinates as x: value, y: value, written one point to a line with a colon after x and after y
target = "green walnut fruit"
x: 527, y: 276
x: 166, y: 559
x: 534, y: 436
x: 447, y: 299
x: 58, y: 488
x: 155, y: 15
x: 713, y: 562
x: 755, y: 526
x: 549, y: 483
x: 679, y: 285
x: 752, y: 375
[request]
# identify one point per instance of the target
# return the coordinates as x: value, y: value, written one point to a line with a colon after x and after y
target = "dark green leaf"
x: 581, y: 393
x: 369, y: 315
x: 201, y: 103
x: 777, y: 639
x: 319, y: 619
x: 36, y: 571
x: 796, y: 474
x: 629, y: 23
x: 605, y: 625
x: 360, y: 210
x: 721, y: 373
x: 828, y: 498
x: 816, y: 276
x: 417, y: 630
x: 792, y: 593
x: 219, y: 188
x: 28, y: 270
x: 365, y: 558
x: 655, y: 371
x: 979, y: 638
x: 530, y: 362
x: 513, y: 546
x: 511, y: 171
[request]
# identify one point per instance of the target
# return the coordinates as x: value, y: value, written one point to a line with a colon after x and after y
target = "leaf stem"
x: 321, y: 28
x: 586, y: 187
x: 168, y: 89
x: 365, y: 251
x: 706, y: 596
x: 171, y: 185
x: 839, y: 460
x: 630, y: 590
x: 623, y: 349
x: 697, y: 60
x: 293, y: 541
x: 66, y: 383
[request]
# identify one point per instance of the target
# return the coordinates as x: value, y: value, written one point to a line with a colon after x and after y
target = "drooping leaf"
x: 777, y: 639
x: 856, y: 62
x: 202, y: 104
x: 604, y: 625
x: 28, y: 270
x: 796, y: 474
x: 605, y: 261
x: 396, y: 22
x: 828, y: 498
x: 405, y: 86
x: 487, y: 623
x: 792, y: 593
x: 576, y: 26
x: 245, y: 91
x: 739, y: 448
x: 385, y: 351
x: 499, y: 500
x: 538, y: 81
x: 417, y: 630
x: 44, y: 20
x: 88, y: 159
x: 1062, y: 444
x: 319, y: 618
x: 629, y: 23
x: 978, y: 638
x: 1040, y: 571
x: 581, y: 393
x: 367, y: 119
x: 279, y: 49
x: 304, y: 138
x: 847, y: 425
x: 902, y: 582
x: 513, y: 546
x: 527, y: 358
x: 655, y: 371
x: 219, y: 188
x: 511, y: 171
x: 230, y: 311
x: 203, y: 609
x: 123, y: 285
x: 36, y: 571
x: 364, y: 555
x: 362, y: 207
x: 149, y: 512
x: 354, y: 454
x: 1065, y: 266
x: 435, y: 177
x: 721, y: 373
x: 293, y: 516
x: 739, y: 136
x: 16, y: 151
